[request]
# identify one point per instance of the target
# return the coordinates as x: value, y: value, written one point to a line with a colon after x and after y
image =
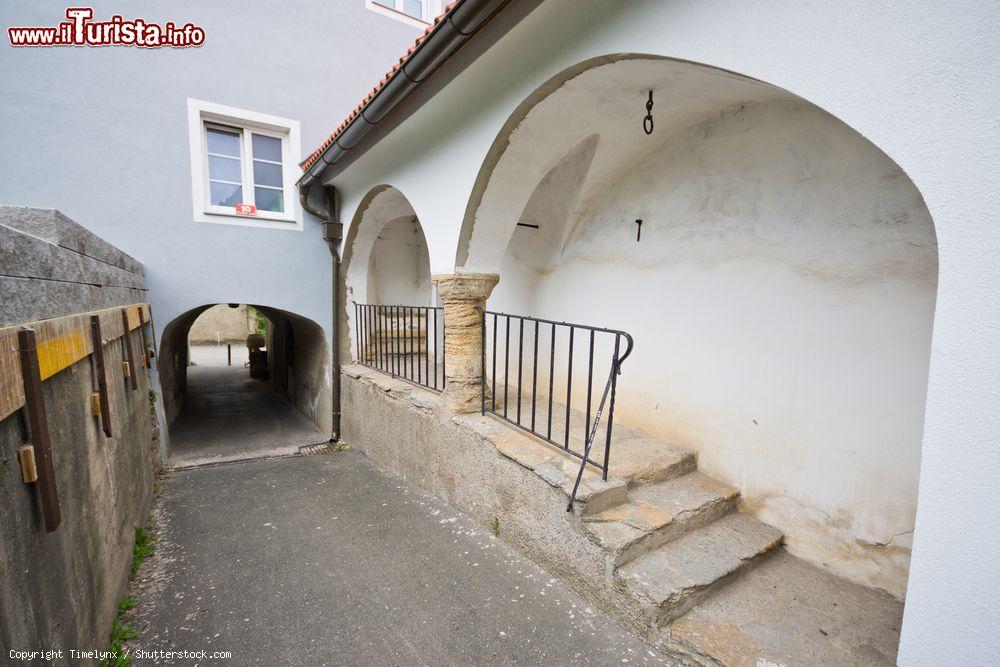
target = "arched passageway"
x: 780, y: 286
x: 225, y: 401
x: 387, y: 266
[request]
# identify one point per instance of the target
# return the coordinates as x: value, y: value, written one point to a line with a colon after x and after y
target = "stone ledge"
x: 557, y: 468
x: 53, y: 227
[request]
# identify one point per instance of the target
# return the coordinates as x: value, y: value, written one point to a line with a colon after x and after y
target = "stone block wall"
x: 60, y: 590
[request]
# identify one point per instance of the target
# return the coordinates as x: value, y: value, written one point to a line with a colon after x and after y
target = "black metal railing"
x: 406, y: 342
x: 532, y: 379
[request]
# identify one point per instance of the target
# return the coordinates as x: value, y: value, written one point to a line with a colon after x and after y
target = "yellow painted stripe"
x: 61, y: 341
x: 62, y: 351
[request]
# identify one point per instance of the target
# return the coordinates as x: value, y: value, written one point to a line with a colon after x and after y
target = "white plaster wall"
x: 781, y: 299
x: 919, y: 81
x: 398, y: 268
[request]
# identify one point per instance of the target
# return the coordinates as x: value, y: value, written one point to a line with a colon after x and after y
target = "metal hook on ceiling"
x: 647, y: 122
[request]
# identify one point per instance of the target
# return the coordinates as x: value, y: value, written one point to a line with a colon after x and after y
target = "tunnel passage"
x: 217, y: 411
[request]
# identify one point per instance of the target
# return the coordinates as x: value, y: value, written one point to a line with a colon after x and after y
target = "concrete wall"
x: 781, y: 298
x: 61, y: 589
x: 221, y: 323
x: 918, y: 81
x: 298, y: 365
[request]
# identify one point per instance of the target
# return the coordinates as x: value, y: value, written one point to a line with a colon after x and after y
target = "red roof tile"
x: 311, y: 160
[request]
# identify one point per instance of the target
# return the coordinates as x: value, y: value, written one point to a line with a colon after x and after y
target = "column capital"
x: 465, y: 286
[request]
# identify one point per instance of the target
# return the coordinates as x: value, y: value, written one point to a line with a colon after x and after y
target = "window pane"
x: 223, y: 142
x: 224, y: 169
x: 414, y: 8
x: 269, y: 200
x: 266, y: 148
x: 265, y: 173
x: 226, y: 194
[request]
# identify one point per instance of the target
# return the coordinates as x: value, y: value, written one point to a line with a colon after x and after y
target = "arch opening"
x: 780, y: 288
x: 243, y: 381
x: 387, y: 263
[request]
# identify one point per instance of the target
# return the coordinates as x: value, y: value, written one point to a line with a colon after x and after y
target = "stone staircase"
x: 671, y: 535
x: 659, y: 545
x: 404, y: 347
x: 399, y: 337
x: 677, y: 536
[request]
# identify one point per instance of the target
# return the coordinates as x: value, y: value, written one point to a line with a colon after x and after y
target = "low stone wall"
x: 52, y: 266
x: 60, y: 590
x: 409, y: 432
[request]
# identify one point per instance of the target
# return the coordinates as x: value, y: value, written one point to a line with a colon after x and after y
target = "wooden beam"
x: 34, y: 401
x: 61, y: 342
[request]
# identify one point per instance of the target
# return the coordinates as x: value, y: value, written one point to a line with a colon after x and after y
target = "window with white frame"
x: 414, y: 12
x: 243, y: 166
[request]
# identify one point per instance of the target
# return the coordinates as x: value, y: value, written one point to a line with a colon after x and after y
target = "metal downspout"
x: 333, y: 233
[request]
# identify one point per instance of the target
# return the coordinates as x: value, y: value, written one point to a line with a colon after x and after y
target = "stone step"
x: 659, y: 513
x: 635, y: 457
x: 400, y: 350
x: 668, y: 581
x: 402, y: 335
x: 788, y: 612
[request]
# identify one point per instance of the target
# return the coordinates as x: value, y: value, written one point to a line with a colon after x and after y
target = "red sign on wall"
x: 246, y: 209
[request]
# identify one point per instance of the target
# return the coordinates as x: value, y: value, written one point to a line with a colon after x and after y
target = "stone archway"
x: 291, y: 404
x: 781, y: 292
x: 386, y: 260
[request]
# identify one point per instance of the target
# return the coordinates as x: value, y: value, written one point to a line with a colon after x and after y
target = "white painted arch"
x: 783, y: 255
x: 385, y: 258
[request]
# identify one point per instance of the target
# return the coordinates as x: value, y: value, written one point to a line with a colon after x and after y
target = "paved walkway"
x: 324, y: 560
x: 227, y: 415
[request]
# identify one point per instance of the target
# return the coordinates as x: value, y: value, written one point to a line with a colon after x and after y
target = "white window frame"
x: 201, y: 114
x: 394, y: 9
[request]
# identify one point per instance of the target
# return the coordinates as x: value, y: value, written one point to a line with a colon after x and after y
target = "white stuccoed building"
x: 802, y: 249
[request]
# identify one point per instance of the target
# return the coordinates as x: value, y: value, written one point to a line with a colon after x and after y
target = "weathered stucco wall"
x: 299, y: 364
x: 399, y: 270
x: 781, y: 298
x: 61, y: 589
x: 223, y: 324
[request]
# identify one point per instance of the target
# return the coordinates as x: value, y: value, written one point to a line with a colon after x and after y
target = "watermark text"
x: 81, y: 30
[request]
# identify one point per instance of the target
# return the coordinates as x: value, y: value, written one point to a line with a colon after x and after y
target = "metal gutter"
x: 449, y: 33
x: 333, y: 233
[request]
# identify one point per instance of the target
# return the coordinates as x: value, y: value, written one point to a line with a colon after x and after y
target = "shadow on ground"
x: 229, y: 416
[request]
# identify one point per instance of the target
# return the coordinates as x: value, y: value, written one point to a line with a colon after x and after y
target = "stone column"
x: 464, y: 296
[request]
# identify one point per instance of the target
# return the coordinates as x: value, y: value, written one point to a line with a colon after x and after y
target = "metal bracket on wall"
x: 34, y: 403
